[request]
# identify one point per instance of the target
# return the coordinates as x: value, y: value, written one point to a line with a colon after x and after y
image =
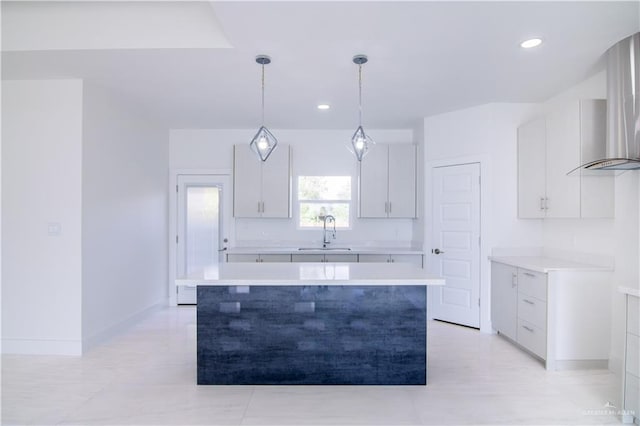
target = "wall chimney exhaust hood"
x: 623, y: 108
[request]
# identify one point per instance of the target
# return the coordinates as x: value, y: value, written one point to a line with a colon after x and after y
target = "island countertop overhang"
x: 311, y: 274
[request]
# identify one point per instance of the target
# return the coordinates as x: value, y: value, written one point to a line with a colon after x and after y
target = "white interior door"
x: 200, y: 240
x: 455, y: 252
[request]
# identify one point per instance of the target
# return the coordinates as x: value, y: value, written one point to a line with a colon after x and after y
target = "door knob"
x: 436, y: 251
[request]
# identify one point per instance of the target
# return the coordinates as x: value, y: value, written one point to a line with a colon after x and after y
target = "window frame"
x: 298, y: 202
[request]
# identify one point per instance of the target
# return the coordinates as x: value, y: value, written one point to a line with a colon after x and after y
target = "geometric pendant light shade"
x: 361, y: 143
x: 263, y: 143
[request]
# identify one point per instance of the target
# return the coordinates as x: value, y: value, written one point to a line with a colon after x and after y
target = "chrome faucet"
x: 325, y: 240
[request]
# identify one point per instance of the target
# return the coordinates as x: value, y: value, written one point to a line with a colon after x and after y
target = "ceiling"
x: 425, y: 58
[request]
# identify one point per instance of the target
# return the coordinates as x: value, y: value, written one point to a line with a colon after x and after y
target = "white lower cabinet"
x: 414, y: 259
x: 324, y: 257
x: 186, y: 295
x: 259, y: 258
x: 557, y: 316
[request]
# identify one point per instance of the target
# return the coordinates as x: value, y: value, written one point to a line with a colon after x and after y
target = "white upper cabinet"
x: 563, y: 154
x: 531, y: 169
x: 261, y: 189
x: 387, y: 185
x: 548, y: 148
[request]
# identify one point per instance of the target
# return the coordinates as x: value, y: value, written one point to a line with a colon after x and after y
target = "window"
x: 319, y: 196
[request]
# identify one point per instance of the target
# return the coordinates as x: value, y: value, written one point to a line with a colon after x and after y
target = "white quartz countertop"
x: 310, y: 249
x: 630, y: 291
x: 312, y: 273
x: 546, y: 264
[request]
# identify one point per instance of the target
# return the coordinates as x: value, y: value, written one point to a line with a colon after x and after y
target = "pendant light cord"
x: 360, y: 93
x: 263, y: 94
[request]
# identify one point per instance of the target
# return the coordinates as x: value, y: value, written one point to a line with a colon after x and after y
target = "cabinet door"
x: 276, y: 183
x: 531, y: 169
x: 402, y: 181
x: 243, y: 257
x: 275, y: 258
x: 504, y: 299
x: 596, y: 188
x: 246, y: 182
x: 307, y: 257
x: 414, y: 259
x: 373, y: 184
x: 373, y: 258
x: 563, y: 154
x: 340, y: 257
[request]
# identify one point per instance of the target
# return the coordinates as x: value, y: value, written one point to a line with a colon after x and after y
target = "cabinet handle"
x: 257, y: 260
x: 529, y: 329
x: 386, y: 207
x: 258, y: 206
x: 546, y: 203
x: 514, y: 280
x: 529, y: 274
x: 263, y: 207
x: 392, y: 260
x: 389, y: 206
x: 542, y: 203
x: 528, y: 301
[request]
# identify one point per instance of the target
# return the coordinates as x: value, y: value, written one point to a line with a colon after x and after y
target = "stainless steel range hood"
x: 623, y: 108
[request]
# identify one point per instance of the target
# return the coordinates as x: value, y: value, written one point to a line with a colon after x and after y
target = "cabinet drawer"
x: 532, y: 338
x: 633, y: 355
x: 633, y: 316
x: 532, y: 310
x: 532, y: 283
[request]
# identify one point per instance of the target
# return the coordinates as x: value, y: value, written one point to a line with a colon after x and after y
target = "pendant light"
x: 360, y: 141
x: 263, y: 143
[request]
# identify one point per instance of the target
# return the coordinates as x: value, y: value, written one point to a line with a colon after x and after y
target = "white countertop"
x: 332, y: 249
x: 630, y: 291
x: 546, y: 264
x: 312, y: 273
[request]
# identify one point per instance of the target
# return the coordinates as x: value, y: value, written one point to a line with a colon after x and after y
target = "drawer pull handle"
x: 528, y: 328
x: 529, y: 274
x: 528, y: 301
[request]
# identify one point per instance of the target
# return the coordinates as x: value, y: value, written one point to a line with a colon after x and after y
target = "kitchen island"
x: 310, y: 323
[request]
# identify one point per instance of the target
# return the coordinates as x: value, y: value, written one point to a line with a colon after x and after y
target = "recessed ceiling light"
x: 532, y: 42
x: 324, y: 106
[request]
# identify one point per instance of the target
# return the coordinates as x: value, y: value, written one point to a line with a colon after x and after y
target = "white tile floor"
x: 147, y: 376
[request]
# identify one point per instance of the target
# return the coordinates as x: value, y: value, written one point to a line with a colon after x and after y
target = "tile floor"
x: 147, y: 376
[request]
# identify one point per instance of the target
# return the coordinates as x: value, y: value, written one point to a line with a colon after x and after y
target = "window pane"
x: 324, y: 188
x: 201, y: 239
x: 312, y: 214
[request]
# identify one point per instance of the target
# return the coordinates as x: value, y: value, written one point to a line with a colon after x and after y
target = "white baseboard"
x: 41, y: 347
x: 115, y: 329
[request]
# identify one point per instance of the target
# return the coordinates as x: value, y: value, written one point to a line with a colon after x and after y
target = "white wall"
x: 314, y: 152
x: 486, y: 134
x: 125, y: 161
x: 41, y: 189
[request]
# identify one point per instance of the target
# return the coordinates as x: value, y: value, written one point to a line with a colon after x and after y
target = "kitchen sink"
x: 324, y: 248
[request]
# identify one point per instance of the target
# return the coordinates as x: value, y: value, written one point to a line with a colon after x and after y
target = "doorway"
x: 200, y: 228
x: 455, y: 253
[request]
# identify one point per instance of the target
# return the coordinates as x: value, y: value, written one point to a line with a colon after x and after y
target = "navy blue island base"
x: 312, y: 335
